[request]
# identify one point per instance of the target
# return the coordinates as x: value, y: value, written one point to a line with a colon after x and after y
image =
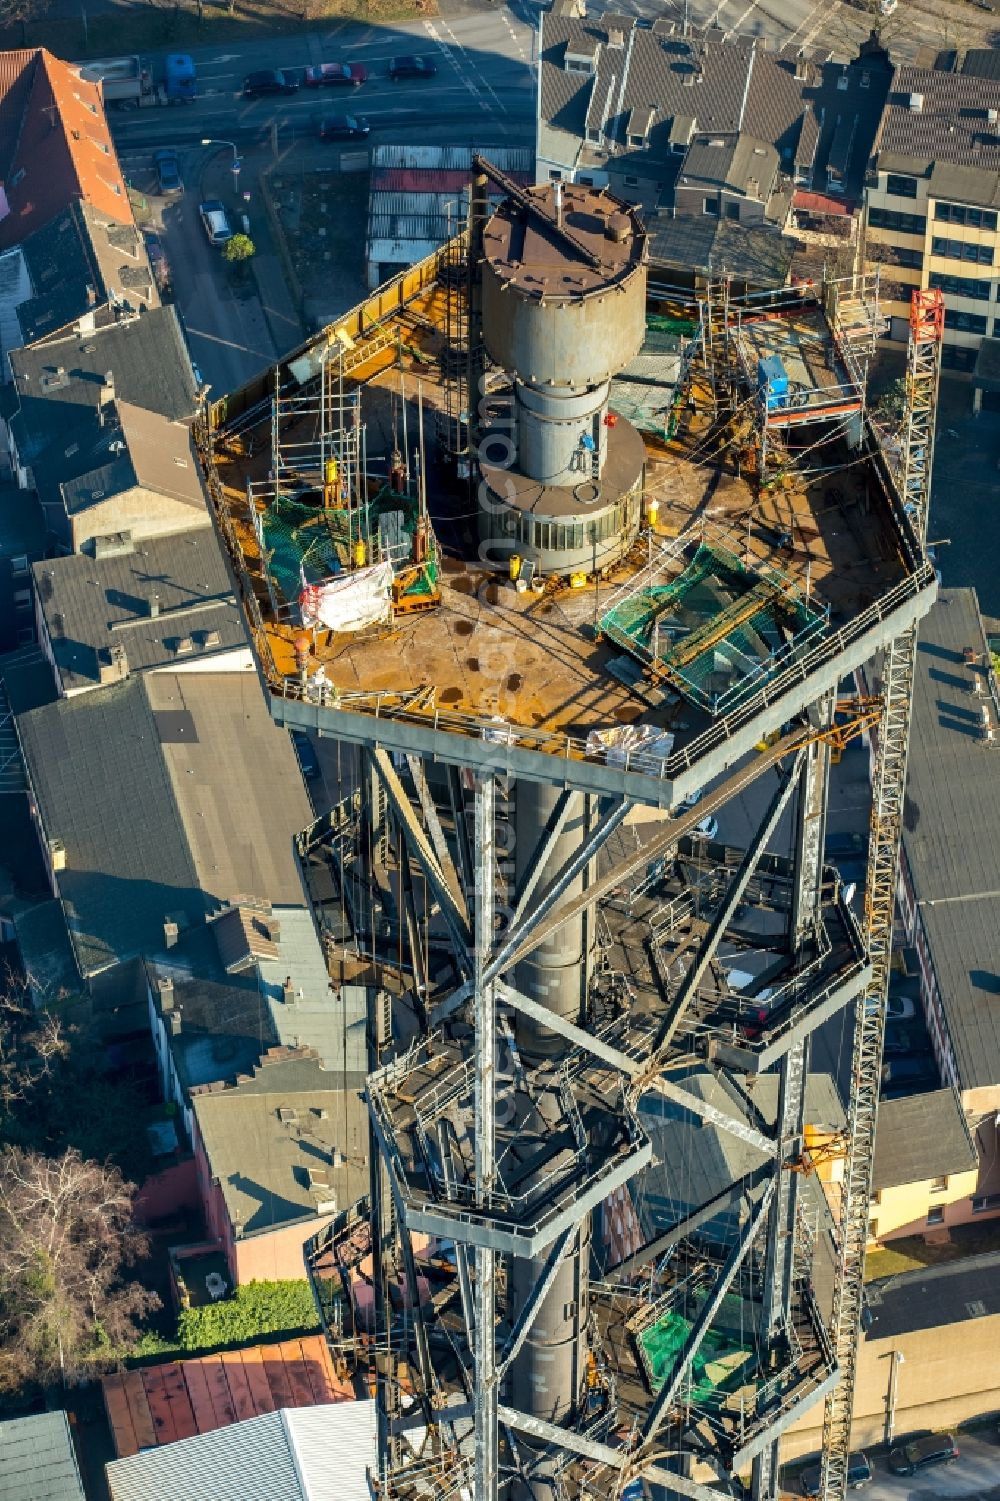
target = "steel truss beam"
x: 434, y: 829
x: 706, y: 950
x: 635, y: 1069
x: 423, y: 852
x: 529, y: 1312
x: 487, y: 1381
x: 615, y: 1459
x: 667, y: 1394
x: 681, y: 1229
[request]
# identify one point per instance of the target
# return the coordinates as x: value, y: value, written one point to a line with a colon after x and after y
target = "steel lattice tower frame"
x: 923, y: 374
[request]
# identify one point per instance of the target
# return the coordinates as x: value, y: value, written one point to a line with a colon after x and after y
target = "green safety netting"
x: 718, y: 631
x: 719, y: 1363
x: 310, y: 543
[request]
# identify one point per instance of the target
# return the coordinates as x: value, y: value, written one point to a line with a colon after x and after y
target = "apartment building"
x: 933, y: 200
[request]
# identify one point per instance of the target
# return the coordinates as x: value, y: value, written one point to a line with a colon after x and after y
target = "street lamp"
x: 237, y: 162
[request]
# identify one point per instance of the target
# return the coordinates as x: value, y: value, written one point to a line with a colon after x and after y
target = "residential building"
x: 926, y: 1168
x: 320, y: 1453
x: 37, y: 1459
x: 933, y: 198
x: 22, y: 543
x: 927, y: 1359
x: 133, y: 790
x: 280, y: 1154
x: 949, y: 905
x: 711, y: 134
x: 100, y: 428
x: 132, y: 606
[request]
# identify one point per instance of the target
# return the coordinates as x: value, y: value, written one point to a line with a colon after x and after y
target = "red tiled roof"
x: 427, y: 180
x: 180, y: 1398
x: 822, y: 203
x: 55, y: 146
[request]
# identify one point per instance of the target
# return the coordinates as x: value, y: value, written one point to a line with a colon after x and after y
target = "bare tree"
x: 66, y: 1238
x: 20, y: 12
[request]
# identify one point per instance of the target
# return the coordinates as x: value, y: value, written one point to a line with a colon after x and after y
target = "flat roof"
x: 922, y: 1137
x: 951, y: 829
x: 934, y: 1297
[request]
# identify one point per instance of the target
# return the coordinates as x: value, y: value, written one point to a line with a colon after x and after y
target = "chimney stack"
x: 171, y: 932
x: 175, y: 1023
x: 288, y: 991
x: 166, y: 988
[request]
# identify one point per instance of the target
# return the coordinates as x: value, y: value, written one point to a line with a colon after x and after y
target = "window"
x: 887, y: 218
x: 937, y: 1184
x: 554, y: 175
x: 873, y: 1229
x: 901, y: 187
x: 984, y: 1203
x: 19, y: 565
x: 587, y: 182
x: 903, y: 257
x: 962, y: 250
x: 631, y: 182
x: 22, y: 599
x: 935, y: 1215
x: 876, y: 1196
x: 866, y: 79
x: 965, y: 323
x: 712, y: 206
x: 961, y: 286
x: 956, y: 357
x: 733, y: 211
x: 964, y: 213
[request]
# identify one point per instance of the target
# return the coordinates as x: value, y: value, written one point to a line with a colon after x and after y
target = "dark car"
x: 859, y: 1473
x: 903, y: 1076
x: 157, y: 259
x: 901, y: 1039
x: 342, y: 128
x: 411, y: 67
x: 168, y: 172
x: 308, y: 759
x: 921, y: 1453
x: 272, y: 81
x: 336, y: 75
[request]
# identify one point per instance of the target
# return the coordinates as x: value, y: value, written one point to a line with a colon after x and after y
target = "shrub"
x: 239, y: 248
x: 254, y: 1312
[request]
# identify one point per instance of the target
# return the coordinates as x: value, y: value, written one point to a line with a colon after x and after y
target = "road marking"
x: 458, y: 66
x: 737, y: 24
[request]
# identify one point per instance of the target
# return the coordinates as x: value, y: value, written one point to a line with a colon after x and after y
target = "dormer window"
x: 581, y: 56
x: 640, y: 123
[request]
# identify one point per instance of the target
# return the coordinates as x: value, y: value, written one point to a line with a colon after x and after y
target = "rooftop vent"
x: 915, y: 103
x: 114, y: 545
x: 318, y: 1178
x: 165, y: 985
x: 971, y: 656
x: 287, y: 1115
x: 175, y: 1023
x: 184, y: 646
x: 211, y: 638
x: 57, y: 854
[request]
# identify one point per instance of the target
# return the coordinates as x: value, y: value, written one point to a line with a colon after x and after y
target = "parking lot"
x: 976, y: 1473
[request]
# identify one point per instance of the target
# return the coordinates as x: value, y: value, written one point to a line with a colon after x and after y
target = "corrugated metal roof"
x: 452, y: 158
x: 333, y: 1449
x: 298, y: 1454
x: 37, y: 1460
x: 425, y: 180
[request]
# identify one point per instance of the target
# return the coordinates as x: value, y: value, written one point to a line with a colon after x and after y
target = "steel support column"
x: 484, y: 1354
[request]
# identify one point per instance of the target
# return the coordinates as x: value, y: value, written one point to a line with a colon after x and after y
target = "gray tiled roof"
x: 171, y: 793
x: 147, y: 357
x: 757, y: 253
x: 102, y: 787
x: 920, y: 1138
x: 262, y: 1161
x: 934, y: 1297
x: 90, y: 604
x: 729, y: 86
x: 38, y: 1461
x: 952, y: 833
x: 950, y: 127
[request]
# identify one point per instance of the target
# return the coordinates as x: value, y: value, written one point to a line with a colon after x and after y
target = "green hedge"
x: 257, y: 1311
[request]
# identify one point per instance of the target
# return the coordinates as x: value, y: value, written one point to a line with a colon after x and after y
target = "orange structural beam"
x: 927, y: 315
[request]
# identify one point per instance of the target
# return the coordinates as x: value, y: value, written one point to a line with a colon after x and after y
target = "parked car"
x: 215, y: 221
x: 904, y: 1076
x: 168, y: 172
x: 342, y: 128
x: 157, y: 259
x: 308, y: 759
x: 901, y: 1039
x: 901, y: 1008
x: 859, y: 1473
x: 411, y: 67
x: 922, y: 1453
x: 336, y: 75
x: 271, y: 81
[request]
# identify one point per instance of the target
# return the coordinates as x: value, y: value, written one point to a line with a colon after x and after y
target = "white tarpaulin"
x: 351, y: 601
x: 631, y: 744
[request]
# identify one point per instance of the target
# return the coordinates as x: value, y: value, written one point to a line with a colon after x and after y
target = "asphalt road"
x: 483, y: 93
x: 975, y: 1474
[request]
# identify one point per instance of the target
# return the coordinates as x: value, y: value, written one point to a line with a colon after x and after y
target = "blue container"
x: 772, y: 379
